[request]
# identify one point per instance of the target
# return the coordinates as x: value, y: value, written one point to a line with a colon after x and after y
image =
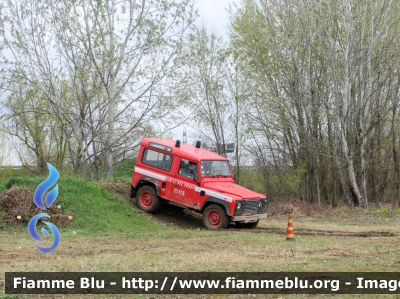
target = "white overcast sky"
x: 213, y: 13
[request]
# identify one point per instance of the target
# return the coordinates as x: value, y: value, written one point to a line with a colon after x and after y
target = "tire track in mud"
x: 311, y: 232
x: 175, y: 216
x: 180, y: 220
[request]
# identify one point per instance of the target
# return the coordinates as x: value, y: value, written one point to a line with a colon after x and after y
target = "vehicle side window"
x: 157, y: 159
x: 188, y: 169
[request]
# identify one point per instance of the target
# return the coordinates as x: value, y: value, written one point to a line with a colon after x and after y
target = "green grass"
x: 274, y: 184
x: 124, y: 169
x: 173, y: 249
x: 95, y: 209
x: 110, y: 235
x: 9, y: 172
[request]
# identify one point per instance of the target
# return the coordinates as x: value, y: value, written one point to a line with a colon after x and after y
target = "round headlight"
x: 239, y: 205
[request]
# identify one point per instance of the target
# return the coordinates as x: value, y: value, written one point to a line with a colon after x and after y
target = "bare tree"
x: 203, y: 87
x: 321, y: 90
x: 103, y: 67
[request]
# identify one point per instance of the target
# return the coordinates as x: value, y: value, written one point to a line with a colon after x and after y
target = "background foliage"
x: 308, y: 91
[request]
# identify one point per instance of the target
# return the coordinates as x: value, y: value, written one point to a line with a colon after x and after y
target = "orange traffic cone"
x: 290, y: 231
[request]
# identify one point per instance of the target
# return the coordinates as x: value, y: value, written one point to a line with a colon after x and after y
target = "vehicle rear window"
x: 157, y: 159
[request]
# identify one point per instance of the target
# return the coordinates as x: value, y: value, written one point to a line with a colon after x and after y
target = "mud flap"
x: 133, y: 192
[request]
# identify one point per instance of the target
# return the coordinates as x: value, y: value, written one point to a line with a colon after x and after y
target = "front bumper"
x: 249, y: 218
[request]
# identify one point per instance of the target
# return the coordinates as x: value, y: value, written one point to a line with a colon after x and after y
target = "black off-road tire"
x: 214, y: 217
x: 250, y: 225
x: 147, y: 199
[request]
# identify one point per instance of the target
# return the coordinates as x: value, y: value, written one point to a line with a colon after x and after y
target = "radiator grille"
x: 251, y: 206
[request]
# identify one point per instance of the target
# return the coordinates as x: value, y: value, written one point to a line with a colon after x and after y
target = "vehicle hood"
x: 232, y: 190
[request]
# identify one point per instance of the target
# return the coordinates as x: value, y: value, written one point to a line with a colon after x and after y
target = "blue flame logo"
x: 44, y: 186
x: 49, y: 200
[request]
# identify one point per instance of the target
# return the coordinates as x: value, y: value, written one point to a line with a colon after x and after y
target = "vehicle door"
x: 185, y: 185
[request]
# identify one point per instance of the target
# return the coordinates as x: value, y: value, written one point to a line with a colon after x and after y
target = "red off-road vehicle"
x: 196, y: 179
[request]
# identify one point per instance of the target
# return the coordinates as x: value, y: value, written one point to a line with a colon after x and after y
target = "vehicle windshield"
x: 215, y: 168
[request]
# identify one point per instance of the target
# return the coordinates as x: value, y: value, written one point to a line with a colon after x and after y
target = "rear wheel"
x: 249, y: 225
x: 147, y: 199
x: 214, y: 217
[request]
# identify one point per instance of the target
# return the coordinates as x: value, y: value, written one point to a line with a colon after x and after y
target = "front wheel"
x: 147, y: 199
x: 214, y: 217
